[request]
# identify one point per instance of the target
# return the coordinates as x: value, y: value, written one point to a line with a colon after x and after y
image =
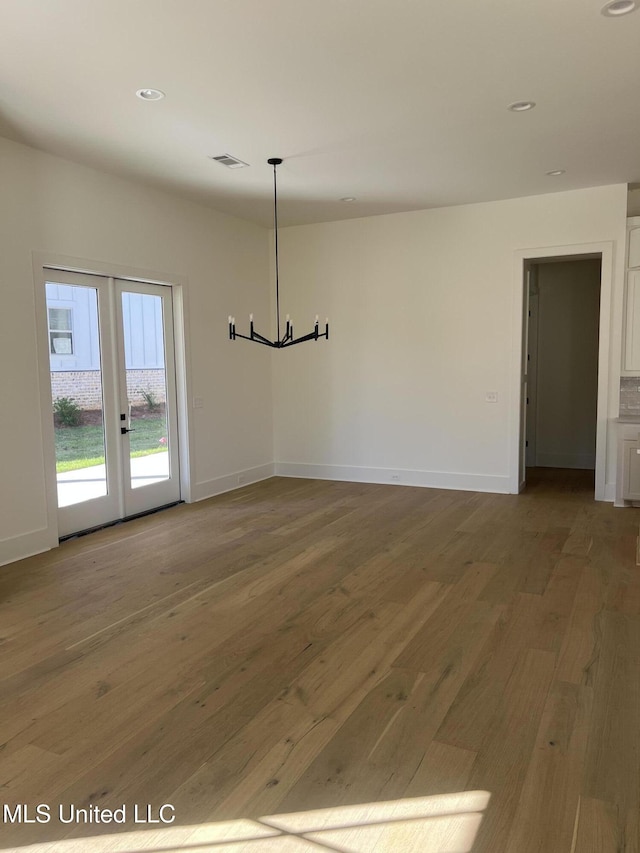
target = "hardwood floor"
x: 302, y: 645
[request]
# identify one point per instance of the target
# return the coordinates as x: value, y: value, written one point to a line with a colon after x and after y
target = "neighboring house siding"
x: 77, y: 374
x: 142, y: 321
x: 85, y: 353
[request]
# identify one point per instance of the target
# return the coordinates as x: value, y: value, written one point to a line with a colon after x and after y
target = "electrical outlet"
x: 491, y: 396
x: 198, y: 402
x: 395, y: 476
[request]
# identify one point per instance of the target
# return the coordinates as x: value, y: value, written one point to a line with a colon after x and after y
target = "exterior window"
x: 60, y: 331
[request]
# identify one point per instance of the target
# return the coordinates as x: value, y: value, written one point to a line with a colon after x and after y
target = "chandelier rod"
x: 275, y: 162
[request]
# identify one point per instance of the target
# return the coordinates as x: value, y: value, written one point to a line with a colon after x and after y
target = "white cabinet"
x: 631, y: 471
x: 631, y: 359
x: 628, y: 473
x: 632, y: 323
x: 633, y: 242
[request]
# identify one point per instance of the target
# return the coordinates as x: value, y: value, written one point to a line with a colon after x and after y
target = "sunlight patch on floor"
x: 446, y: 823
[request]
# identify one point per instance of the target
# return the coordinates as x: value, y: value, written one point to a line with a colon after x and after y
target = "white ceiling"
x: 401, y: 103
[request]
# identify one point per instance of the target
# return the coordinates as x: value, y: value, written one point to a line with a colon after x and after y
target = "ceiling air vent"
x: 230, y: 162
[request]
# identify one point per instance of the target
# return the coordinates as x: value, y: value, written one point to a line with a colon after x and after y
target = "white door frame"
x: 179, y: 290
x: 532, y: 366
x: 606, y: 251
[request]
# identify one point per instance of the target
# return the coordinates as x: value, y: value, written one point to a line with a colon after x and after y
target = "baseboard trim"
x: 396, y: 477
x: 26, y: 545
x: 229, y: 482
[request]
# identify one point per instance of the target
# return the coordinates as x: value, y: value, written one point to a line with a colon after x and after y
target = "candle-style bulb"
x: 251, y: 318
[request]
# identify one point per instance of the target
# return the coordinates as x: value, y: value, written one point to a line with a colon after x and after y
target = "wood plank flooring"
x: 310, y: 666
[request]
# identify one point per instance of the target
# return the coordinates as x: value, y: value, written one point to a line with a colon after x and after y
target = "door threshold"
x: 117, y: 521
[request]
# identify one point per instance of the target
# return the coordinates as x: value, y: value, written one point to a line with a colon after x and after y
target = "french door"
x: 112, y: 364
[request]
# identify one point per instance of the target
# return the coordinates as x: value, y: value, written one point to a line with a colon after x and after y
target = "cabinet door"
x: 631, y: 471
x: 633, y: 259
x: 632, y: 328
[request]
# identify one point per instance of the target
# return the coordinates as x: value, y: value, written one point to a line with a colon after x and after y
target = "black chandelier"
x: 287, y: 339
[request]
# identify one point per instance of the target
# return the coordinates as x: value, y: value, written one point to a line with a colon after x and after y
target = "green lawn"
x: 83, y: 446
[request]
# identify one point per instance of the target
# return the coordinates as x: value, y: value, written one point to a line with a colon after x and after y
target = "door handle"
x: 124, y: 430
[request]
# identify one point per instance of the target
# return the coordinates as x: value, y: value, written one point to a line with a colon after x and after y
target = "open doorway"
x: 561, y: 342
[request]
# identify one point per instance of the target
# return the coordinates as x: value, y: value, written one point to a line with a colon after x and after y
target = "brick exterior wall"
x: 84, y: 386
x: 146, y: 379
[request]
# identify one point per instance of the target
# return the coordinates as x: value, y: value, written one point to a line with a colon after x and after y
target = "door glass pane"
x: 76, y: 389
x: 142, y: 319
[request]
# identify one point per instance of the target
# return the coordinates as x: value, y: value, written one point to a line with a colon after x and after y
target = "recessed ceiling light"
x: 615, y: 8
x: 555, y: 172
x: 521, y: 106
x: 150, y: 94
x: 348, y: 198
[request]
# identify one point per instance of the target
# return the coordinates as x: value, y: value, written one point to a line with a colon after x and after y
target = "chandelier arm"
x: 310, y: 337
x: 256, y: 336
x: 257, y: 339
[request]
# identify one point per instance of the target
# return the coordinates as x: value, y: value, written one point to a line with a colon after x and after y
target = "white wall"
x: 422, y: 327
x: 567, y: 363
x: 50, y: 205
x: 420, y: 305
